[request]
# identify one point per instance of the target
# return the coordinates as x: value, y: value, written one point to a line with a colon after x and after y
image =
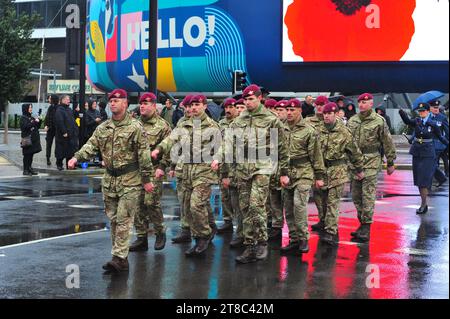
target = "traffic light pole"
x: 83, y: 19
x: 153, y: 47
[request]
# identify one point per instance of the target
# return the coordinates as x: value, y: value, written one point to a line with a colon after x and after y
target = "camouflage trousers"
x: 364, y: 195
x: 230, y: 207
x: 180, y: 194
x: 150, y: 212
x: 197, y: 208
x: 121, y: 207
x: 331, y: 200
x: 252, y: 203
x: 296, y: 205
x: 320, y: 204
x: 275, y: 207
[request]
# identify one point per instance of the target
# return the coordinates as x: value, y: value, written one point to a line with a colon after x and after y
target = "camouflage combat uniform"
x: 156, y: 130
x: 125, y: 152
x: 372, y: 135
x: 305, y: 165
x: 253, y: 178
x: 316, y: 122
x: 197, y: 178
x: 337, y: 147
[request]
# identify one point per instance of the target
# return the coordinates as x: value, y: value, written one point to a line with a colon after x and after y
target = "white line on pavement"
x: 53, y: 238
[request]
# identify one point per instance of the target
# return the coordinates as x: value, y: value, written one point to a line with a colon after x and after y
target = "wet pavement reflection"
x: 409, y: 252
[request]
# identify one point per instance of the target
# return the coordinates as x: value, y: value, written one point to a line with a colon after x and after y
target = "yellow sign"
x: 68, y: 87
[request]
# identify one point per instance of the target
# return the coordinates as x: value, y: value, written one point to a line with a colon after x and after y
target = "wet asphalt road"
x: 48, y: 223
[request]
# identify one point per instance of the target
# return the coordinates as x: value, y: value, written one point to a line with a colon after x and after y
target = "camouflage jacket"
x: 305, y: 155
x: 178, y: 165
x: 338, y: 147
x: 196, y: 137
x: 372, y: 136
x: 225, y: 124
x: 120, y: 144
x: 259, y: 123
x: 156, y: 129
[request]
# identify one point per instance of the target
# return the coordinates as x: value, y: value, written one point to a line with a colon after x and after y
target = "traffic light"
x: 239, y: 81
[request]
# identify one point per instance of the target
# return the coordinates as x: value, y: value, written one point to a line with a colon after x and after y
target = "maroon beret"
x: 118, y: 94
x: 240, y: 102
x: 282, y: 104
x: 147, y: 97
x: 294, y: 103
x: 270, y: 103
x: 250, y: 90
x: 321, y: 100
x: 187, y: 100
x: 330, y: 108
x: 229, y: 102
x: 198, y: 99
x: 365, y: 97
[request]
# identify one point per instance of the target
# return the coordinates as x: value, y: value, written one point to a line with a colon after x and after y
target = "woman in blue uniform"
x: 422, y: 150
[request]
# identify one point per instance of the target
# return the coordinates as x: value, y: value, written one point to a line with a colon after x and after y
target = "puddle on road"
x: 6, y: 240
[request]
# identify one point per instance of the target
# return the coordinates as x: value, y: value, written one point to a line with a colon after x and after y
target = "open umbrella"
x: 427, y: 97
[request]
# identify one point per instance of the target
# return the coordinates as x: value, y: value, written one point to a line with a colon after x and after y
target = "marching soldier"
x: 156, y: 130
x: 201, y: 132
x: 305, y: 165
x: 316, y: 122
x: 122, y: 143
x: 230, y: 197
x: 275, y: 198
x: 372, y: 136
x: 177, y: 170
x: 337, y: 146
x: 254, y: 178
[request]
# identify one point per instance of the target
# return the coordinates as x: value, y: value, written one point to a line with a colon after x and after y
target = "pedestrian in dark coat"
x: 29, y: 126
x: 49, y: 125
x: 66, y: 133
x: 350, y: 110
x: 422, y: 150
x: 92, y: 119
x: 102, y: 109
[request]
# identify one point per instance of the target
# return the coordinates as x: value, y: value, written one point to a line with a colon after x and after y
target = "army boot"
x: 355, y: 233
x: 118, y: 264
x: 303, y: 247
x: 248, y: 256
x: 293, y: 245
x: 275, y: 233
x: 183, y: 237
x: 261, y: 251
x: 364, y: 233
x: 330, y: 239
x: 191, y: 251
x: 227, y: 227
x: 202, y: 246
x: 141, y: 244
x: 237, y: 243
x: 214, y: 231
x: 160, y: 241
x: 319, y: 226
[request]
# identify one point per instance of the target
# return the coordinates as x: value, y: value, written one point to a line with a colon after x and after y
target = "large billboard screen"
x: 365, y: 30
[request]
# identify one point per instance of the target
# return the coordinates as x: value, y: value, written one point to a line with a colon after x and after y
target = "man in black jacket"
x: 308, y: 107
x: 66, y: 137
x: 49, y: 124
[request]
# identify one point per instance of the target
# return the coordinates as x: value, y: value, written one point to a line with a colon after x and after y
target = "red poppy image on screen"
x: 350, y: 30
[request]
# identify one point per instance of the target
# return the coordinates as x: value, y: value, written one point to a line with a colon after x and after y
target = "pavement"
x: 13, y: 153
x: 53, y: 228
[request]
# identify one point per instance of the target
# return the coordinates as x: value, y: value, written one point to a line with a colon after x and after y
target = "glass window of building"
x: 54, y: 14
x: 39, y: 8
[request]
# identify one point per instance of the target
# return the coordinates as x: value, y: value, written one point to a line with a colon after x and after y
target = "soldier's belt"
x: 330, y: 163
x: 370, y: 150
x: 423, y: 140
x: 116, y: 172
x: 298, y: 161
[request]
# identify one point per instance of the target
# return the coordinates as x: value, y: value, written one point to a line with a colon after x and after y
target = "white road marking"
x: 170, y: 216
x: 49, y: 201
x: 84, y: 206
x: 412, y: 251
x: 53, y: 238
x: 379, y: 202
x: 416, y: 206
x: 348, y: 243
x: 17, y: 197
